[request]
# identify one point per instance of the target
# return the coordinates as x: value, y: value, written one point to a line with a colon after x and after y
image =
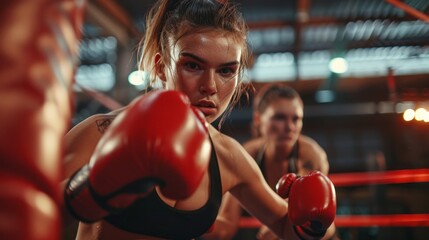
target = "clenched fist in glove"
x: 312, y: 203
x: 159, y: 140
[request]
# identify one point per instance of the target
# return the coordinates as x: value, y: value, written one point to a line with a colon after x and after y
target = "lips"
x: 206, y: 107
x: 287, y: 137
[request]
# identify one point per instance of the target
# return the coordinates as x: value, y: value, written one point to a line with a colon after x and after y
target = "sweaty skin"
x: 201, y: 68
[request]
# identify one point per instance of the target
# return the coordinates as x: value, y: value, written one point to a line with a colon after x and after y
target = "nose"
x: 208, y: 83
x: 289, y: 124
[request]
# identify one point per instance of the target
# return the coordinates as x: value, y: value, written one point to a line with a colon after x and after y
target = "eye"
x: 227, y: 71
x: 192, y: 66
x: 296, y: 119
x: 279, y: 117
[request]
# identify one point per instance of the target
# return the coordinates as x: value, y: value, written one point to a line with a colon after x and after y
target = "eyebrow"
x: 190, y: 55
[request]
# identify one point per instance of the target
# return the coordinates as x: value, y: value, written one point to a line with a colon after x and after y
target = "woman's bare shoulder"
x: 253, y: 146
x: 99, y: 122
x: 223, y: 143
x: 229, y: 149
x: 312, y: 155
x: 309, y: 143
x: 237, y: 165
x: 81, y: 140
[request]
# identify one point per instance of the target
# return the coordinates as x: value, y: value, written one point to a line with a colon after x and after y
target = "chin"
x: 210, y: 118
x: 286, y: 142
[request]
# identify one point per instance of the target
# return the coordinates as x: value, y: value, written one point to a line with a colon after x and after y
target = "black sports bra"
x: 151, y: 216
x: 260, y: 159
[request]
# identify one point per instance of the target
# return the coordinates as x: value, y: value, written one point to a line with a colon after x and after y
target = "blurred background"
x: 361, y: 67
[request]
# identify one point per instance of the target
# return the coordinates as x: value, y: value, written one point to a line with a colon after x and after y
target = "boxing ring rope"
x: 102, y: 98
x: 382, y: 177
x: 386, y: 220
x: 368, y: 178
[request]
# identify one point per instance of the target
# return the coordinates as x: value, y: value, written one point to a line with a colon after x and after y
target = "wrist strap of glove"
x: 311, y: 230
x: 81, y: 200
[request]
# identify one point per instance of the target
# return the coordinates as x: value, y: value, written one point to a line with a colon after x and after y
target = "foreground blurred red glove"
x: 312, y: 203
x: 159, y: 140
x: 38, y: 57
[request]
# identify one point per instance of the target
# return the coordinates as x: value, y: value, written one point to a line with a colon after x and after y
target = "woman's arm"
x: 81, y: 140
x: 227, y: 222
x: 252, y: 191
x: 80, y: 143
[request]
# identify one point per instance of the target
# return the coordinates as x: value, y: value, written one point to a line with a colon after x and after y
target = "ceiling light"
x: 338, y: 65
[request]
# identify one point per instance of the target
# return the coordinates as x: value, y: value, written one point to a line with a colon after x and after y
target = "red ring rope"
x: 391, y: 220
x: 355, y: 179
x: 384, y: 177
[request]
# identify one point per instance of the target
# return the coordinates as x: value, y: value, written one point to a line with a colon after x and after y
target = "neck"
x: 278, y: 152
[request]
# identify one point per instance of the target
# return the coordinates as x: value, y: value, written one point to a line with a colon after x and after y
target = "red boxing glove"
x: 38, y: 56
x: 159, y: 140
x: 312, y: 203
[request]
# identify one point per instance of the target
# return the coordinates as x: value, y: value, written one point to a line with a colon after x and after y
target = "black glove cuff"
x: 314, y: 230
x: 77, y: 184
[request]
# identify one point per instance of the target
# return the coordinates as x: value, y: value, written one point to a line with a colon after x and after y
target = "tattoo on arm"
x: 103, y: 124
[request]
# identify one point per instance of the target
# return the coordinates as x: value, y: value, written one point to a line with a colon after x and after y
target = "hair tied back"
x: 172, y: 4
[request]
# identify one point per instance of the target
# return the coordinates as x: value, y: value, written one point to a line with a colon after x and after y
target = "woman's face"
x: 205, y: 67
x: 282, y: 121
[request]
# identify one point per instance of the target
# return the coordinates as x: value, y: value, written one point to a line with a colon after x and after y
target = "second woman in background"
x: 279, y: 147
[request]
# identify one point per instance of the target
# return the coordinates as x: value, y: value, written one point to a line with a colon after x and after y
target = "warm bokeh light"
x: 420, y: 114
x: 408, y: 114
x: 426, y: 117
